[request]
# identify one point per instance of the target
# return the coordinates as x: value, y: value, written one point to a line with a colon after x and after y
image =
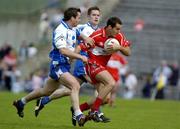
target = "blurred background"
x: 152, y: 71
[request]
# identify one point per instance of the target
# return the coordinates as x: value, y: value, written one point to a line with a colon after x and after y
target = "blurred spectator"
x: 146, y: 91
x: 17, y: 83
x: 1, y: 53
x: 2, y: 68
x: 44, y: 27
x: 5, y: 49
x: 10, y: 59
x: 7, y: 77
x: 28, y: 86
x: 56, y: 18
x: 32, y: 50
x: 175, y: 74
x: 173, y: 81
x: 130, y: 85
x: 161, y: 77
x: 139, y: 25
x: 37, y: 80
x: 23, y: 51
x: 7, y: 61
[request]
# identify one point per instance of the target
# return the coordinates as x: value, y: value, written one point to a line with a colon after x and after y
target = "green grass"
x: 128, y: 114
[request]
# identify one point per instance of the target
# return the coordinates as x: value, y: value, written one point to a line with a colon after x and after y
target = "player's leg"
x: 41, y: 102
x: 78, y: 72
x: 49, y: 87
x: 103, y: 90
x: 70, y: 81
x: 113, y: 94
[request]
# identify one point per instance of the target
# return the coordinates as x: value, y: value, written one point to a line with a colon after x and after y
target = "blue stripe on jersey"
x: 65, y: 24
x: 93, y: 27
x: 78, y: 33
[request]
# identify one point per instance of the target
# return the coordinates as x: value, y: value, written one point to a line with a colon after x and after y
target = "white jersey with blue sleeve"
x: 86, y: 29
x: 63, y: 37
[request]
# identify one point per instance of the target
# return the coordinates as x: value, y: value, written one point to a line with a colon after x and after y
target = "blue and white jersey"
x: 85, y: 29
x: 63, y: 37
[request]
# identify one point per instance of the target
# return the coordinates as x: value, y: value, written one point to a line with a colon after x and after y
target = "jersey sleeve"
x: 86, y: 31
x: 60, y: 37
x: 122, y: 40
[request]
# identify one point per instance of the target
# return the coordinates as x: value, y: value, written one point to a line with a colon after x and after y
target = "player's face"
x: 76, y: 20
x: 94, y: 17
x: 115, y: 30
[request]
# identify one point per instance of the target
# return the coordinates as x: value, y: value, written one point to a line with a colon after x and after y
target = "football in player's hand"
x: 111, y: 45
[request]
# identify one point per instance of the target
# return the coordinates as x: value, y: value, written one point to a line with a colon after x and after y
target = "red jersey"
x: 98, y: 53
x: 98, y: 57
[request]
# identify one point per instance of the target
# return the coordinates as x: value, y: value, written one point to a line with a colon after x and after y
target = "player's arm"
x: 60, y: 44
x: 88, y: 41
x: 80, y: 47
x: 124, y: 47
x: 125, y: 50
x: 72, y: 55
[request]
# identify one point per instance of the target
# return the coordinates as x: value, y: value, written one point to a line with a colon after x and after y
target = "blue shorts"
x: 79, y: 69
x: 57, y: 69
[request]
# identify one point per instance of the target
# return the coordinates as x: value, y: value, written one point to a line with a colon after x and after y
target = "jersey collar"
x: 93, y: 27
x: 66, y: 25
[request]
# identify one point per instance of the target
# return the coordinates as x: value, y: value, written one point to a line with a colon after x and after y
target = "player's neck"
x: 69, y: 23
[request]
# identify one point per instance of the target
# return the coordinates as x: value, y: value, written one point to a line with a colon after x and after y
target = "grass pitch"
x: 128, y: 114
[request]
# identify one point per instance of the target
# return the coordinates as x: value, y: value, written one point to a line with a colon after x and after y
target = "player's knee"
x: 111, y: 84
x: 67, y: 91
x: 75, y: 86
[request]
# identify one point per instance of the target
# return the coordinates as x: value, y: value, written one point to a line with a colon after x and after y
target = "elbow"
x: 128, y: 53
x: 62, y: 51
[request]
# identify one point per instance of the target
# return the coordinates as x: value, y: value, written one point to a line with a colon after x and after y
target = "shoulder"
x: 61, y: 27
x: 97, y: 33
x: 119, y: 36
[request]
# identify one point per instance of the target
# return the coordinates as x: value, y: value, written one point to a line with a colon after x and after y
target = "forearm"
x: 125, y: 51
x: 69, y: 53
x: 77, y: 49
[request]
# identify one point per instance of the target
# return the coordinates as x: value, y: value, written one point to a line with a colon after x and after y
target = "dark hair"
x: 113, y: 21
x: 71, y: 12
x: 92, y: 8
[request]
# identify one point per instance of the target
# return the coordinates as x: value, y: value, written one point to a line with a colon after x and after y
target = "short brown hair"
x: 113, y: 21
x: 71, y: 12
x: 92, y: 8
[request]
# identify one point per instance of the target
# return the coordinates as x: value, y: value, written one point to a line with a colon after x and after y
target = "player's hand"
x: 113, y: 48
x: 89, y: 42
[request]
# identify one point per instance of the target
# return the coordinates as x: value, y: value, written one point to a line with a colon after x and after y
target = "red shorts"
x: 93, y: 68
x: 114, y: 72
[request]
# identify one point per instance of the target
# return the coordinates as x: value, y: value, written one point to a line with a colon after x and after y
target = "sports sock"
x: 23, y: 101
x: 84, y: 106
x: 45, y: 100
x: 96, y: 104
x: 78, y: 112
